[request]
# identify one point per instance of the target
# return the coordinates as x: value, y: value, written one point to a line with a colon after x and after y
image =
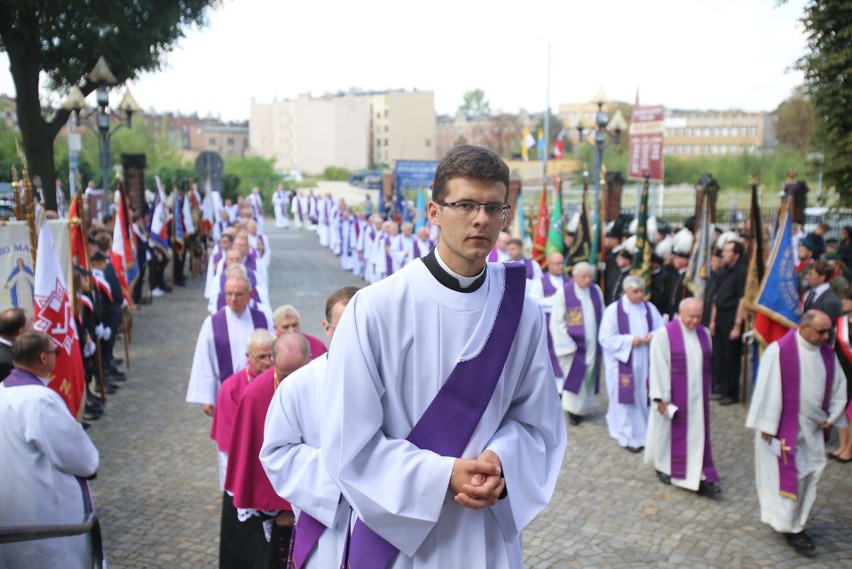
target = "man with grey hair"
x: 46, y: 460
x: 220, y: 350
x: 678, y: 442
x: 574, y: 322
x: 246, y: 481
x: 286, y: 320
x: 624, y: 336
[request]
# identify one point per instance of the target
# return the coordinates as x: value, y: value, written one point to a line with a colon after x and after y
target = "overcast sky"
x: 701, y: 54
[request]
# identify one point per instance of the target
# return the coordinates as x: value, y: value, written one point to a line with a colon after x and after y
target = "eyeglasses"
x: 468, y: 208
x: 54, y: 351
x: 823, y: 332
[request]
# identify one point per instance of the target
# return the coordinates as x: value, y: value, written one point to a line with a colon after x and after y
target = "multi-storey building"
x: 352, y: 130
x: 696, y: 133
x: 501, y: 132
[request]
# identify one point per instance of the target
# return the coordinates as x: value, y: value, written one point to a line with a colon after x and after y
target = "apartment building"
x: 353, y: 130
x: 696, y: 133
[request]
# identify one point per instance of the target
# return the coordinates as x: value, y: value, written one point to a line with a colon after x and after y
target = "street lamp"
x: 604, y: 125
x: 75, y: 102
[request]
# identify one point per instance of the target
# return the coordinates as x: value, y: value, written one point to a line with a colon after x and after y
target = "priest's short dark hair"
x: 472, y: 163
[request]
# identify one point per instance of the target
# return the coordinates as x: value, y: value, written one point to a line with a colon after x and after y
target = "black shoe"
x: 575, y: 419
x: 85, y: 425
x: 708, y: 489
x: 635, y: 450
x: 87, y: 416
x: 110, y: 388
x: 664, y: 478
x: 725, y: 401
x: 116, y: 362
x: 801, y: 542
x: 114, y: 377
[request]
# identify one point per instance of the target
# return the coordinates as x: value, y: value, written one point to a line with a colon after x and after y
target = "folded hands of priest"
x: 477, y: 483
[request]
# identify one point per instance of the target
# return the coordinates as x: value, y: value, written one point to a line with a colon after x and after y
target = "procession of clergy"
x: 339, y: 464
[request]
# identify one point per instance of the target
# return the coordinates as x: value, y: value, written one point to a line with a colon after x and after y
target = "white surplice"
x: 782, y: 513
x: 204, y: 376
x: 659, y: 440
x: 378, y: 385
x: 564, y: 347
x: 627, y: 423
x: 42, y: 449
x: 280, y: 203
x: 291, y: 458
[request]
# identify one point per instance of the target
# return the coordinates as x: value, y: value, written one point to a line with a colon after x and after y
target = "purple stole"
x: 18, y: 377
x: 217, y: 257
x: 282, y: 203
x: 574, y: 318
x: 680, y: 398
x: 222, y: 341
x: 417, y: 252
x: 299, y: 207
x: 788, y: 426
x: 529, y: 266
x: 386, y: 242
x: 548, y: 290
x: 626, y: 385
x: 493, y: 256
x: 250, y: 262
x: 464, y: 397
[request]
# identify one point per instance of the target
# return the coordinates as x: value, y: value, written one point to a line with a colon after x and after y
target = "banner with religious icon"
x: 17, y: 273
x: 647, y: 127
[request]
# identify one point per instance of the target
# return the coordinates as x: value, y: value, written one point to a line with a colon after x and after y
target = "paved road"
x: 158, y: 498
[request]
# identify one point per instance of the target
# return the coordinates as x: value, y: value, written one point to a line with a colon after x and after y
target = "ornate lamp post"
x: 101, y: 76
x: 603, y: 125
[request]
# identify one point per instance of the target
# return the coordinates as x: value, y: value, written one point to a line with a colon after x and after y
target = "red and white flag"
x: 123, y: 259
x: 54, y: 315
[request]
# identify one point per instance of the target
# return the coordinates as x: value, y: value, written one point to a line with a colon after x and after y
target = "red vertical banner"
x: 54, y: 316
x: 647, y: 128
x: 542, y: 226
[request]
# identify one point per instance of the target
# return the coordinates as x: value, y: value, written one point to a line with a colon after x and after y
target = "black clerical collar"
x: 446, y: 278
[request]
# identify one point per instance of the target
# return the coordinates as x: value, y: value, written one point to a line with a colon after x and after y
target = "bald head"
x: 815, y: 327
x: 555, y: 264
x: 690, y: 310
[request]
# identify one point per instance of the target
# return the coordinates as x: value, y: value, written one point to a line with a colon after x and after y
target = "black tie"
x: 809, y: 301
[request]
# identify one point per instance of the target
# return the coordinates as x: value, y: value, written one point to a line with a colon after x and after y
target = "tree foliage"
x: 63, y: 40
x: 795, y: 122
x: 250, y: 172
x: 828, y: 80
x: 475, y: 104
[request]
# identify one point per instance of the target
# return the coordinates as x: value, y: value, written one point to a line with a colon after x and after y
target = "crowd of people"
x: 432, y: 429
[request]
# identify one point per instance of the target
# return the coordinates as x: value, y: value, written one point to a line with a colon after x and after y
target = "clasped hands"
x: 477, y: 483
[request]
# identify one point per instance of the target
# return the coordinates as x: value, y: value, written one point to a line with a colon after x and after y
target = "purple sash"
x: 386, y: 242
x: 549, y: 290
x: 493, y: 256
x: 464, y: 397
x: 680, y: 398
x: 576, y: 329
x: 788, y: 426
x: 626, y: 385
x: 217, y: 257
x: 222, y: 341
x: 529, y: 266
x: 18, y: 377
x: 306, y: 534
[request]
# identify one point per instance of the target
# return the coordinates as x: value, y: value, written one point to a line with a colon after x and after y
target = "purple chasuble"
x: 493, y: 257
x: 680, y: 398
x: 18, y: 377
x: 217, y: 257
x: 549, y: 290
x: 576, y: 329
x: 788, y: 426
x: 626, y: 385
x: 222, y: 341
x: 464, y: 397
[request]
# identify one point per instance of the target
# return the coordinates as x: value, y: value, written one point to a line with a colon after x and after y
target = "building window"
x: 428, y: 143
x: 724, y: 131
x: 696, y: 149
x: 753, y: 130
x: 669, y: 149
x: 715, y: 131
x: 386, y: 142
x: 230, y: 141
x: 688, y: 149
x: 386, y: 113
x: 688, y: 131
x: 680, y: 132
x: 706, y: 131
x: 680, y: 149
x: 211, y: 142
x: 704, y: 149
x: 734, y: 131
x: 723, y: 149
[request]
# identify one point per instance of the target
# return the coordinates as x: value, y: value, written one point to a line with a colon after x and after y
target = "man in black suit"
x: 819, y: 295
x: 13, y: 323
x: 726, y: 321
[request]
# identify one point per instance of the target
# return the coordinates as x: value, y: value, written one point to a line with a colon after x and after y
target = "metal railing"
x: 90, y: 525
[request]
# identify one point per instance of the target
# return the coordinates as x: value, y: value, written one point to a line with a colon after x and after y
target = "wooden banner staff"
x: 29, y: 202
x: 16, y: 193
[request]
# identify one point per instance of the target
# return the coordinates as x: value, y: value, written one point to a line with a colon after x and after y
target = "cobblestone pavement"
x: 158, y: 498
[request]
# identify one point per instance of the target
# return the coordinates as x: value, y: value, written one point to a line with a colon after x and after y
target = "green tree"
x: 250, y: 172
x: 63, y: 40
x: 828, y: 75
x: 795, y: 122
x: 475, y: 104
